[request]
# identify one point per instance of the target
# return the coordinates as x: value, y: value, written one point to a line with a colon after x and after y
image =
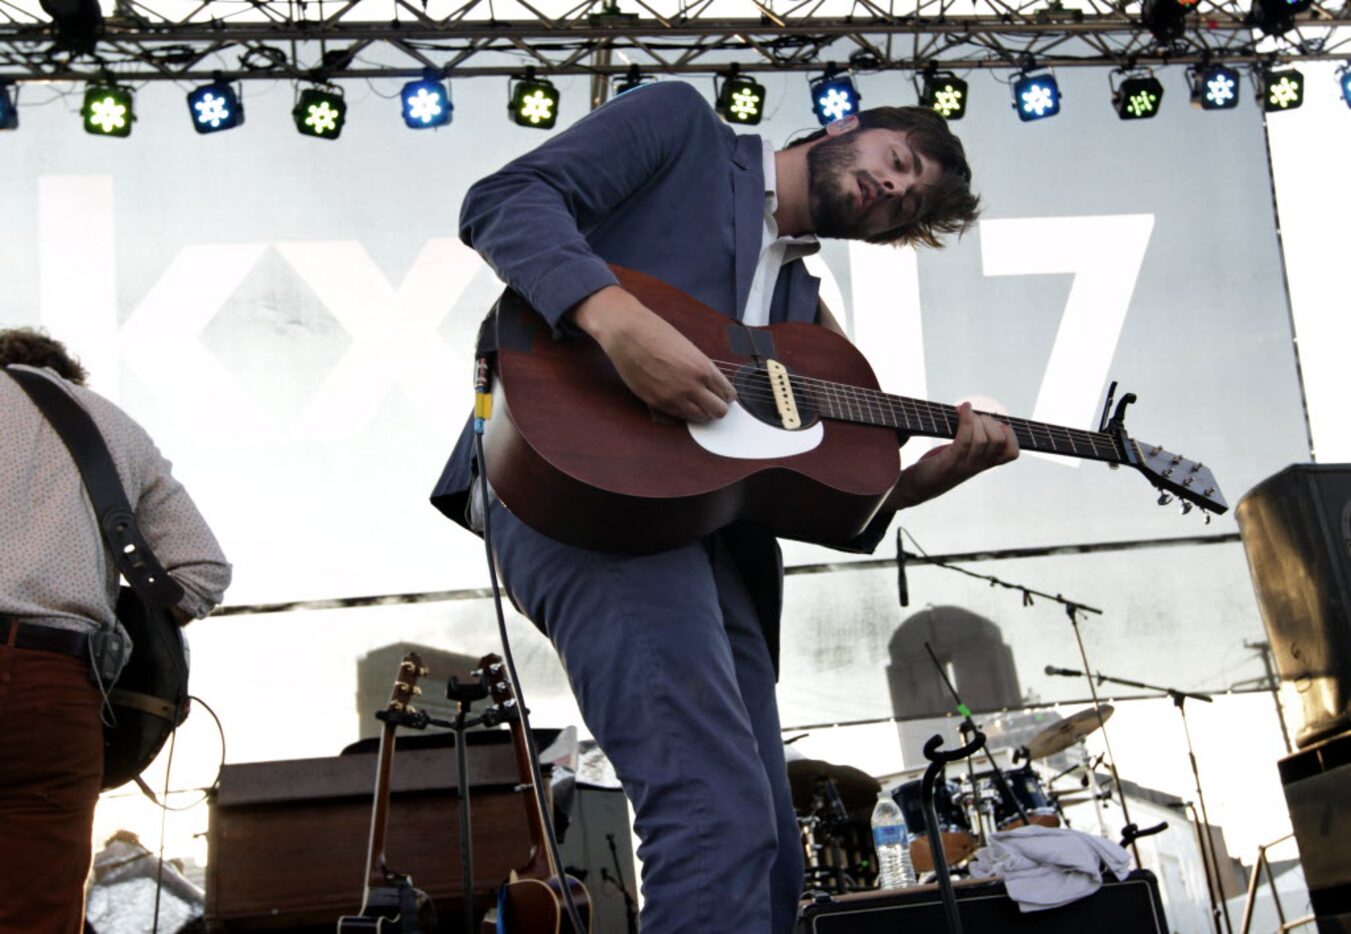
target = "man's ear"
x: 842, y: 126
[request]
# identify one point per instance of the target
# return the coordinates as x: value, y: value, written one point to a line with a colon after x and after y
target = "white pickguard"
x: 741, y: 435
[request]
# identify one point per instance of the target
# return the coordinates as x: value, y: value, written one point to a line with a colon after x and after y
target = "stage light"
x: 1274, y: 17
x: 107, y: 110
x: 741, y: 100
x: 1036, y: 97
x: 632, y: 81
x: 320, y: 113
x: 426, y: 103
x: 1214, y: 88
x: 1282, y: 90
x: 215, y: 107
x: 945, y: 93
x: 9, y: 110
x: 79, y: 23
x: 534, y: 102
x: 1166, y: 19
x: 1138, y: 97
x: 1344, y: 77
x: 834, y: 96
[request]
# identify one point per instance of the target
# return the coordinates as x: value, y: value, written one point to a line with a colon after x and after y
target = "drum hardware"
x: 1065, y: 733
x: 969, y: 730
x: 825, y: 797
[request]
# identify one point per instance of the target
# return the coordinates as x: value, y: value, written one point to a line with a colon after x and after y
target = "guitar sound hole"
x: 756, y: 397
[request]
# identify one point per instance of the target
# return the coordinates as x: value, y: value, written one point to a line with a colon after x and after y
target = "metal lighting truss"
x: 194, y: 40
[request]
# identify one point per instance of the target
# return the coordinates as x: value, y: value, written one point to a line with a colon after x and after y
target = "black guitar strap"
x: 76, y: 427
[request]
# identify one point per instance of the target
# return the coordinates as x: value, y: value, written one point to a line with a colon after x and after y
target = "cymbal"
x: 1067, y: 732
x: 857, y: 789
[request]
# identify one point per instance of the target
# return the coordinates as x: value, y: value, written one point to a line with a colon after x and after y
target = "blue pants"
x: 669, y: 665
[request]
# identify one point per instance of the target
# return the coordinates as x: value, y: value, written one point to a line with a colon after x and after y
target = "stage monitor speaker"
x: 1129, y: 907
x: 1296, y: 528
x: 1317, y: 783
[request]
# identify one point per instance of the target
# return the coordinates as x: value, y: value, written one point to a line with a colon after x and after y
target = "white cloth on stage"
x: 1046, y: 867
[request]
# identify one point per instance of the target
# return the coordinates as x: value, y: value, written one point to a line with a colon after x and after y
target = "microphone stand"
x: 1209, y: 860
x: 1128, y: 833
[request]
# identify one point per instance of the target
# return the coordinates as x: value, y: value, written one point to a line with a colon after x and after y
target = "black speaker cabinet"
x: 1296, y: 528
x: 1317, y: 783
x: 1129, y: 907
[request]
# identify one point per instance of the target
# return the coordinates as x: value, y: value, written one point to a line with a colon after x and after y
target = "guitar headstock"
x: 499, y: 685
x: 1191, y: 481
x: 405, y: 683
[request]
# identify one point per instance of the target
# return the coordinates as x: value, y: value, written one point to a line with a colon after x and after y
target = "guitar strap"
x: 81, y: 436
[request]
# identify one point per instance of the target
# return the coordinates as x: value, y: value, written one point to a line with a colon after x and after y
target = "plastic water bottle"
x: 892, y: 842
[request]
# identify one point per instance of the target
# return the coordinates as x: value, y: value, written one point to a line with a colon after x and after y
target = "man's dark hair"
x: 950, y: 206
x: 34, y: 348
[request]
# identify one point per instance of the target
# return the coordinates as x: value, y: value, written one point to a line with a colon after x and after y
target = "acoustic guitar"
x: 809, y: 450
x: 530, y: 900
x: 390, y: 904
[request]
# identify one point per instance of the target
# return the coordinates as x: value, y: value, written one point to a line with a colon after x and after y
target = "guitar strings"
x: 861, y: 403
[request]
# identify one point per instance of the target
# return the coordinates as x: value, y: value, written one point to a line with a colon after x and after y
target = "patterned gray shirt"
x: 55, y: 569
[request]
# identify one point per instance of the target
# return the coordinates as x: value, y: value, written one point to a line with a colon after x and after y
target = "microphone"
x: 1067, y: 672
x: 902, y: 587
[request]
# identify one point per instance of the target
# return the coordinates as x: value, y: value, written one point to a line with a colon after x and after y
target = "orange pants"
x: 51, y: 765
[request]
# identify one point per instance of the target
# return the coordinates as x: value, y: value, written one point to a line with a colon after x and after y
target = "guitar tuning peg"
x: 1207, y: 518
x: 1185, y: 508
x: 1164, y: 498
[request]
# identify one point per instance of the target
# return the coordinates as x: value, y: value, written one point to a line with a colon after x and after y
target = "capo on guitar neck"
x: 1116, y: 425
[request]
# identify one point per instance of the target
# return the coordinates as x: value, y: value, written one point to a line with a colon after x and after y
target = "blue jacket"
x: 652, y: 180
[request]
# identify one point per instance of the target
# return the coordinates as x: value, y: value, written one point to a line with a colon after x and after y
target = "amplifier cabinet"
x: 1317, y: 783
x: 287, y: 840
x: 1129, y: 907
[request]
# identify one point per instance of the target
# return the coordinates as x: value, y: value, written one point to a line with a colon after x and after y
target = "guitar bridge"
x: 782, y: 388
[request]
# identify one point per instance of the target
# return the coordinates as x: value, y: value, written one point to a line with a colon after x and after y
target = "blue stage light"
x: 1215, y: 88
x: 834, y: 96
x: 215, y: 107
x: 1036, y: 97
x: 9, y: 112
x: 1345, y: 79
x: 426, y: 103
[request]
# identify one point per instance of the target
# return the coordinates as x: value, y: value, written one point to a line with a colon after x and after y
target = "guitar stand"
x: 938, y: 761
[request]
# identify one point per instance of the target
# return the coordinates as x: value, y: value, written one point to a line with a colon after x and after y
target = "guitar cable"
x: 482, y: 412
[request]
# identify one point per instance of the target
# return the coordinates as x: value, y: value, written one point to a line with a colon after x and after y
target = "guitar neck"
x: 375, y: 849
x: 935, y: 420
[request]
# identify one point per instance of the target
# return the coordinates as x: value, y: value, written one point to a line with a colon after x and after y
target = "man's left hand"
x: 981, y: 442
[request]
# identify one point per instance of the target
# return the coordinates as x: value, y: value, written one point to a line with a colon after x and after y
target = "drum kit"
x: 834, y: 804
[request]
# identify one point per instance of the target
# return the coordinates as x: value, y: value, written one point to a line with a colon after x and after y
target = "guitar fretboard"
x: 935, y: 420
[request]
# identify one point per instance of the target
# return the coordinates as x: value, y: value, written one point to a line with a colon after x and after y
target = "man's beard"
x: 831, y: 192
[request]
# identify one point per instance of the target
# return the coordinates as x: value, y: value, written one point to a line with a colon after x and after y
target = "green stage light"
x: 108, y: 110
x: 945, y: 93
x: 1282, y: 90
x: 1138, y: 97
x: 320, y: 113
x: 741, y: 100
x: 534, y: 102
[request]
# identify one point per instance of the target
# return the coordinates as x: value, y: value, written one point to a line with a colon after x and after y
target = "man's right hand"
x: 658, y: 363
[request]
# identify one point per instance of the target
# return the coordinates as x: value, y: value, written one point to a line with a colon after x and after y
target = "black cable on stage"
x: 482, y: 412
